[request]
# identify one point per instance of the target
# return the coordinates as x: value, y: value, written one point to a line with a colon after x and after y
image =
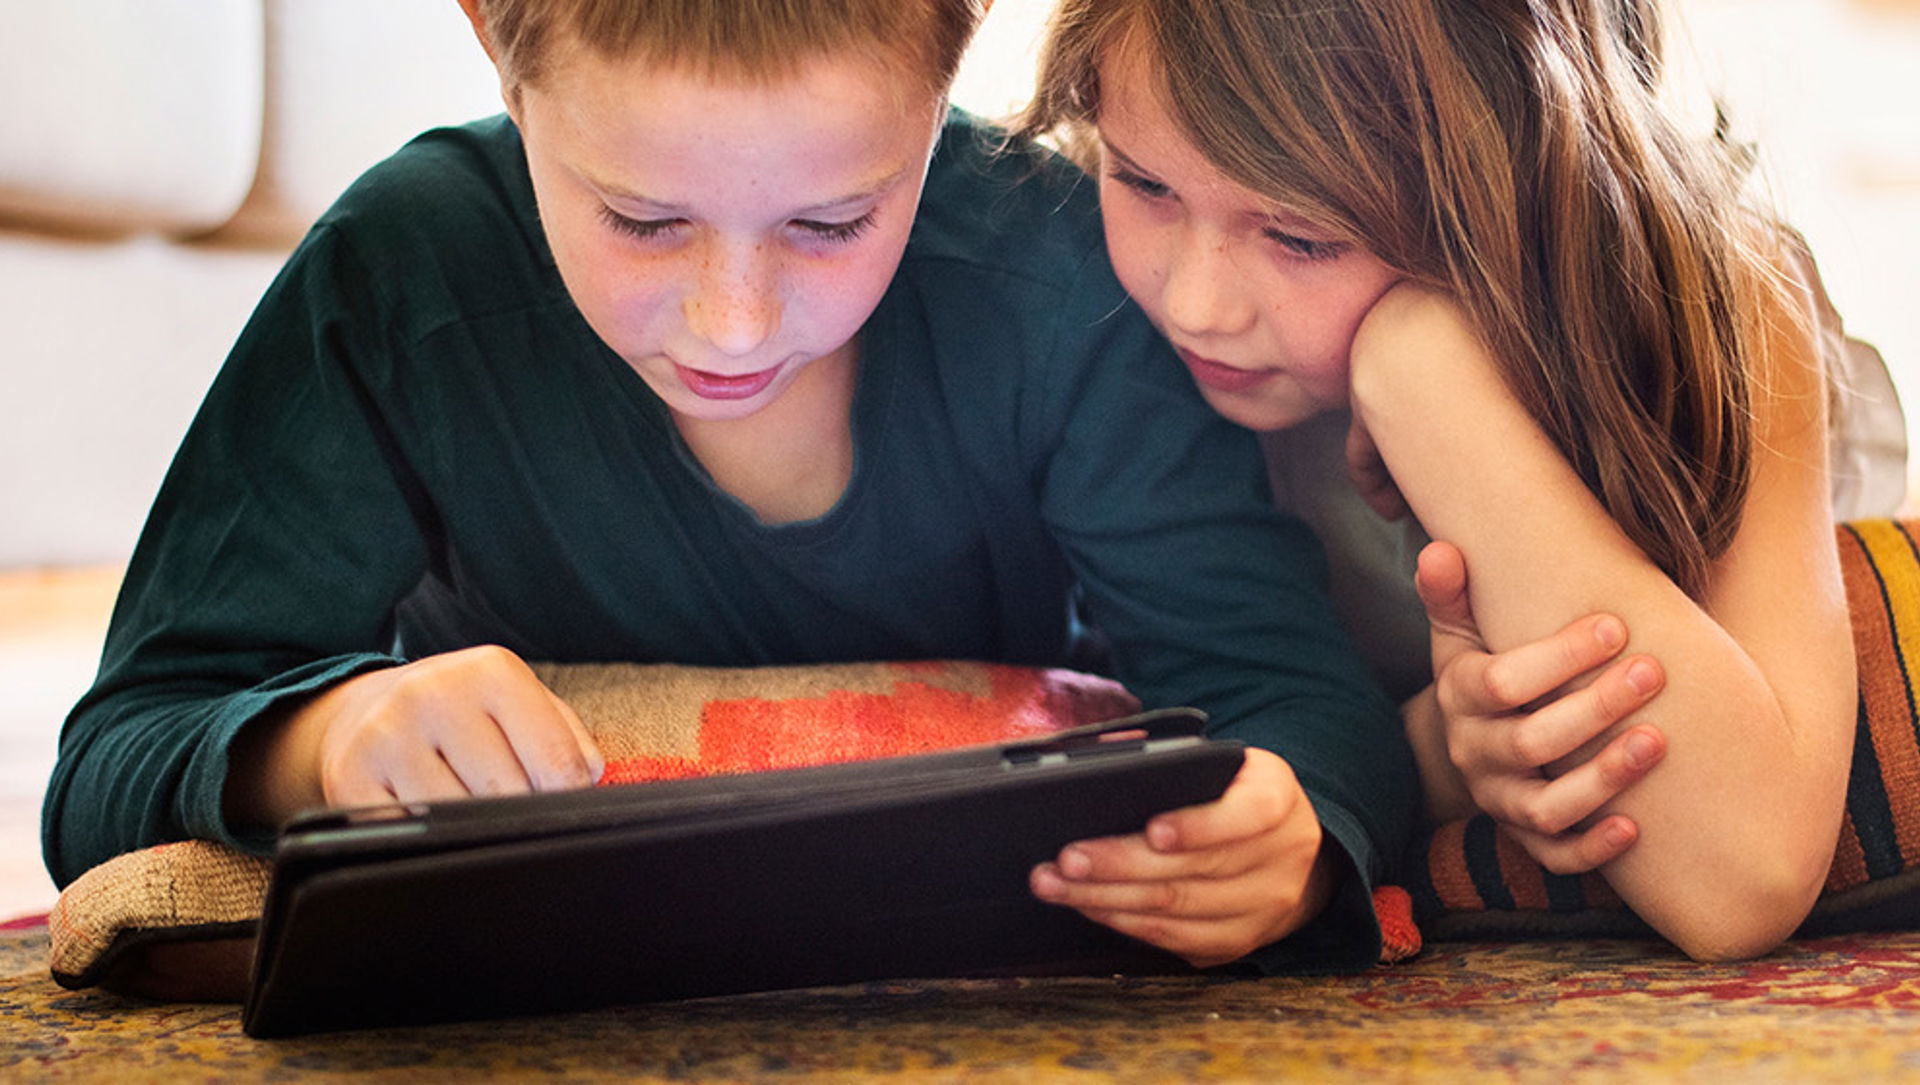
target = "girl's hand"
x: 1209, y: 883
x: 472, y: 722
x: 1512, y: 722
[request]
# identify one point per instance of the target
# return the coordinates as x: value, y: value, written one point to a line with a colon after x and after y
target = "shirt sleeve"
x: 1212, y: 598
x: 269, y: 567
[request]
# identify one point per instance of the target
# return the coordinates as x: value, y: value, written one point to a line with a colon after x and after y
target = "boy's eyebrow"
x: 867, y: 193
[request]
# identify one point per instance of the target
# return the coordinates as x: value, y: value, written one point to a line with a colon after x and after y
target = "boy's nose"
x: 735, y: 306
x: 1204, y: 292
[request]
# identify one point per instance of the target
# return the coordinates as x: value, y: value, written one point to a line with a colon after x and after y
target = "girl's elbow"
x: 1744, y: 917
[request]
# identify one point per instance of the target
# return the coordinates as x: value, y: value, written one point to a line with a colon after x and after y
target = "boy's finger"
x: 423, y: 777
x: 477, y: 752
x: 543, y: 737
x: 1263, y: 795
x: 1120, y: 859
x: 589, y: 749
x: 1189, y: 898
x: 1202, y: 943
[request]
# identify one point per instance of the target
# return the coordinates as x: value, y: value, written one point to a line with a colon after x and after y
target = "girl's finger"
x: 1561, y: 727
x: 1553, y: 806
x: 1507, y: 681
x: 1578, y: 853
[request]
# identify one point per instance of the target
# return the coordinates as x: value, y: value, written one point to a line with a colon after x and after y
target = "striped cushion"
x: 1470, y: 880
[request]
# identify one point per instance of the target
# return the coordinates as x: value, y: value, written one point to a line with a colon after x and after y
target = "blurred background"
x: 159, y: 158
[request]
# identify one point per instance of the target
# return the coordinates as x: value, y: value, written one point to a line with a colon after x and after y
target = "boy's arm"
x: 1212, y: 598
x: 268, y: 571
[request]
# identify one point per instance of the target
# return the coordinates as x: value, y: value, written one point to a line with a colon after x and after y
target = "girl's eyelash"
x: 1306, y: 248
x: 644, y: 229
x: 1150, y: 189
x: 1302, y: 247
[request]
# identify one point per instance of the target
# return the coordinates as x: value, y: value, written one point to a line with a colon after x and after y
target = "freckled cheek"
x: 831, y: 300
x: 629, y: 305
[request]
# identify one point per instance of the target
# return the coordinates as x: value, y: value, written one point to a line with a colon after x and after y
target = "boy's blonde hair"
x: 756, y: 39
x: 1515, y: 153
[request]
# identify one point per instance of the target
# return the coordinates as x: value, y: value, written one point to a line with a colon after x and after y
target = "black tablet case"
x: 894, y: 868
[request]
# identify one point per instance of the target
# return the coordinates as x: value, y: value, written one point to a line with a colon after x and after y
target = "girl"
x: 666, y: 367
x: 1458, y: 249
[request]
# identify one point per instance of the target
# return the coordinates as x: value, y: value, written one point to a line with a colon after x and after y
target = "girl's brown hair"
x: 1515, y: 153
x: 759, y: 39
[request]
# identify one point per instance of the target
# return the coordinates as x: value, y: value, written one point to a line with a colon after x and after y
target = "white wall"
x: 1830, y: 90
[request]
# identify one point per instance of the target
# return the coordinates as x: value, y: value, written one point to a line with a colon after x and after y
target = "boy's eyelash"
x: 838, y: 233
x: 650, y: 229
x: 644, y: 229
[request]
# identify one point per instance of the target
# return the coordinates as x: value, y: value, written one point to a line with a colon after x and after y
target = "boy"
x: 664, y: 367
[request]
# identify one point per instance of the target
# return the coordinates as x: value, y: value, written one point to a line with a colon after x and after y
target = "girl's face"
x: 1260, y: 305
x: 722, y: 236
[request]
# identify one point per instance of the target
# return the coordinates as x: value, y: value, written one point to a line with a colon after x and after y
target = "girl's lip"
x: 720, y: 386
x: 1221, y: 376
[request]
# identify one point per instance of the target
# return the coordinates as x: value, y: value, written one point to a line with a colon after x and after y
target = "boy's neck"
x: 792, y: 459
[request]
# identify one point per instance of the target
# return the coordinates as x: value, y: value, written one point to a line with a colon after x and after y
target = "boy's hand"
x: 1209, y: 883
x: 472, y: 722
x: 1509, y: 717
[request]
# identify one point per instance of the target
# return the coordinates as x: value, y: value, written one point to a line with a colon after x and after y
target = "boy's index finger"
x: 548, y: 744
x: 1263, y: 796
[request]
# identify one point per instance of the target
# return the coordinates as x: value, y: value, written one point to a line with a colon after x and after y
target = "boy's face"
x: 721, y: 236
x: 1261, y: 305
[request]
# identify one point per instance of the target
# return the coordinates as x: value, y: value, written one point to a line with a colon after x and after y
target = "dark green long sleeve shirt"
x: 418, y: 444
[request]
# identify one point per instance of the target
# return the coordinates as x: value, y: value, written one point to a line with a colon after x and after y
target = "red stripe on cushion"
x: 1447, y: 866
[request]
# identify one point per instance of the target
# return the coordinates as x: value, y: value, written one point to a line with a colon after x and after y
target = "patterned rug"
x: 1842, y: 1009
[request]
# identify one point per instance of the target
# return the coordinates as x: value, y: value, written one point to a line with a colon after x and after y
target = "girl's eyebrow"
x: 1116, y: 152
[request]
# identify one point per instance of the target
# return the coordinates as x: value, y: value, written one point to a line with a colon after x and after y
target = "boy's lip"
x: 1219, y: 375
x: 723, y: 386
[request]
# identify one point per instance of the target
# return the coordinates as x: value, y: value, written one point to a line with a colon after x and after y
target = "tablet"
x: 904, y: 867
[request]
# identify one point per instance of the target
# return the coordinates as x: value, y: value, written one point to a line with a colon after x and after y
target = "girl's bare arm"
x: 1737, y: 823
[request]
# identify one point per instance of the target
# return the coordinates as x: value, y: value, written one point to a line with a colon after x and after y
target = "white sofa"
x: 157, y: 161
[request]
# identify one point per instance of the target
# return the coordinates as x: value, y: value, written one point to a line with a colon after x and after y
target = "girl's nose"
x: 1204, y: 292
x: 735, y: 305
